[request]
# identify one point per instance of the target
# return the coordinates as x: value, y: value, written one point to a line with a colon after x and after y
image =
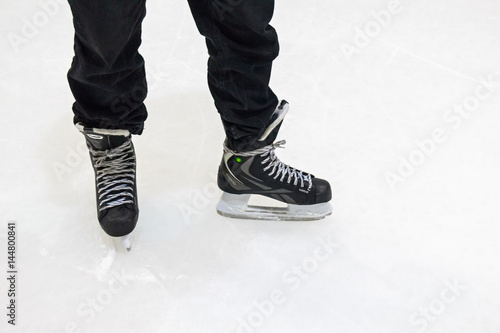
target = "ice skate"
x: 113, y: 158
x: 260, y: 172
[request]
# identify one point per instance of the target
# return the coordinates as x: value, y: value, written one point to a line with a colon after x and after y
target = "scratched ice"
x: 396, y: 103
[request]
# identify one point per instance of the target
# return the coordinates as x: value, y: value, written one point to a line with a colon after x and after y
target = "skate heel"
x: 232, y: 205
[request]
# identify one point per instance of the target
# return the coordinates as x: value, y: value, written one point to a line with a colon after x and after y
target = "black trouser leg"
x: 107, y: 76
x: 241, y: 45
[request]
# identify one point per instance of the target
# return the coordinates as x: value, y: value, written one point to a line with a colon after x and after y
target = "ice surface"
x: 385, y: 256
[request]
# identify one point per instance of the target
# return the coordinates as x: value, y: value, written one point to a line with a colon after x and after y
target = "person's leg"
x: 242, y: 46
x: 107, y: 76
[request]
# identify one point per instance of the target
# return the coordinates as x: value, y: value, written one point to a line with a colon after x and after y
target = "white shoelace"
x: 115, y: 172
x: 278, y: 167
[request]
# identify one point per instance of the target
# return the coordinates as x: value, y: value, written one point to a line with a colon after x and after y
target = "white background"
x: 353, y: 120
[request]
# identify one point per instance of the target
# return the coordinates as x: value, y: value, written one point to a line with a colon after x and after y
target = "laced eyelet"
x: 115, y: 175
x: 277, y: 167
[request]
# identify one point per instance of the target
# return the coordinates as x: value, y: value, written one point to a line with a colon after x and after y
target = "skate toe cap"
x: 119, y: 221
x: 323, y: 190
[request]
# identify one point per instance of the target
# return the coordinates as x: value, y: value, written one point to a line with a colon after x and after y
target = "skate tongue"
x: 104, y: 139
x: 104, y: 142
x: 277, y: 117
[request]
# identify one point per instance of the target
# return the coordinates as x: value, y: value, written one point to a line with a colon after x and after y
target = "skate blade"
x: 236, y: 206
x: 123, y: 242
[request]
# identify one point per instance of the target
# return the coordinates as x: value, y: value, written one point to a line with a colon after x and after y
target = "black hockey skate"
x: 259, y: 171
x: 113, y: 158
